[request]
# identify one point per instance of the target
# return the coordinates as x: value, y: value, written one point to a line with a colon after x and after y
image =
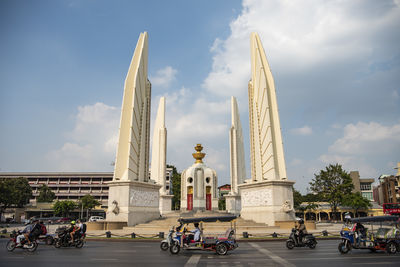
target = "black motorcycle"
x: 308, y: 240
x: 63, y: 239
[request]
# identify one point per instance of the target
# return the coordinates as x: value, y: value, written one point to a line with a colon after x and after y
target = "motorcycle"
x: 166, y: 242
x: 63, y: 239
x: 12, y: 243
x: 308, y: 240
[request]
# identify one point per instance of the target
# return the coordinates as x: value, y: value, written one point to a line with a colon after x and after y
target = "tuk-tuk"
x: 355, y: 236
x: 220, y: 244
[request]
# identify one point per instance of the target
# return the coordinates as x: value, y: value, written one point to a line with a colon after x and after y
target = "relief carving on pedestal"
x: 256, y: 198
x: 286, y: 206
x: 115, y: 208
x: 143, y: 198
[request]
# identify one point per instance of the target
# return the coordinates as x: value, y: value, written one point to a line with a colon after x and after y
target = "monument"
x: 199, y: 185
x: 237, y: 162
x: 267, y: 197
x: 133, y: 197
x: 159, y: 157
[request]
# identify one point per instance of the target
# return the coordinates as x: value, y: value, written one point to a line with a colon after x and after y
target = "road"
x: 100, y: 253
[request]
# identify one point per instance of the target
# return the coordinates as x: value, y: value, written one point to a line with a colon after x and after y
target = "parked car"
x: 95, y: 218
x: 63, y: 220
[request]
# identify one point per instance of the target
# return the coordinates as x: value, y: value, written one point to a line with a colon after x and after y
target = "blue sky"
x: 336, y: 66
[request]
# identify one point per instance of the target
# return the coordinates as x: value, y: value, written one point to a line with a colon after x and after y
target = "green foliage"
x: 14, y: 192
x: 88, y: 202
x: 357, y: 202
x: 45, y: 195
x: 222, y: 203
x: 176, y: 188
x: 332, y: 184
x: 64, y: 207
x: 297, y: 198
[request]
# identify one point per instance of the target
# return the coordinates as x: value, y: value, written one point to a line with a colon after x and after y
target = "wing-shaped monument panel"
x: 132, y: 151
x: 267, y: 157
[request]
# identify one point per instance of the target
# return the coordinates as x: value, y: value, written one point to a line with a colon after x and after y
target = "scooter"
x: 308, y: 240
x: 12, y: 243
x: 168, y: 241
x: 63, y: 239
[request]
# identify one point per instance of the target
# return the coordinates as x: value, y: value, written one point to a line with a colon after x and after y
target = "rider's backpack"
x: 84, y: 228
x: 43, y: 230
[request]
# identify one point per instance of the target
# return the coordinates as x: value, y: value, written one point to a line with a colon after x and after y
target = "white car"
x: 95, y: 218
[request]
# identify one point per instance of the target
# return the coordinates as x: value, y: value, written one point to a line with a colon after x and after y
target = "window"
x: 365, y: 186
x: 367, y: 195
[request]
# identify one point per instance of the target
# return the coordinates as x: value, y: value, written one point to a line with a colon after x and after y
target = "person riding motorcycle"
x: 301, y: 229
x: 71, y: 231
x: 78, y: 229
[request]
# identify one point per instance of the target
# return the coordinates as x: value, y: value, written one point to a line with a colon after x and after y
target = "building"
x: 388, y: 190
x: 68, y: 186
x: 224, y: 190
x: 362, y: 185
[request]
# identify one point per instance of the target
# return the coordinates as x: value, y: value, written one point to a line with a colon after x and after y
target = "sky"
x: 336, y: 67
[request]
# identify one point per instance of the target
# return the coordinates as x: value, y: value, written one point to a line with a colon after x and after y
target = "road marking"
x: 374, y: 263
x: 273, y: 256
x: 98, y: 259
x: 193, y: 260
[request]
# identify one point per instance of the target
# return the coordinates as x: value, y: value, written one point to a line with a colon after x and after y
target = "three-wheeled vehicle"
x: 220, y: 244
x: 355, y: 236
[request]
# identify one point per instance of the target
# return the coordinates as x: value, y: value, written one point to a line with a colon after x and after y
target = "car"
x: 95, y: 218
x: 63, y: 220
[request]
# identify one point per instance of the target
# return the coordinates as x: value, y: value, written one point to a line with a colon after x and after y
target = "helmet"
x: 72, y: 222
x: 301, y: 221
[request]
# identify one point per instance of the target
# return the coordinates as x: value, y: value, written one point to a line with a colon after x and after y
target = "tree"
x: 14, y: 192
x: 45, y: 195
x: 64, y: 207
x: 297, y: 198
x: 333, y: 184
x: 88, y: 202
x: 176, y: 188
x: 357, y: 202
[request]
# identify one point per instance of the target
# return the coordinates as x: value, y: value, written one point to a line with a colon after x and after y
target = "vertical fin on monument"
x: 237, y: 164
x: 159, y: 147
x: 266, y: 147
x: 132, y: 157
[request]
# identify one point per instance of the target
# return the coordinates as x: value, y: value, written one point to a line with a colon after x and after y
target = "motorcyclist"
x: 35, y: 232
x: 301, y: 229
x: 27, y: 229
x: 78, y: 229
x: 71, y: 231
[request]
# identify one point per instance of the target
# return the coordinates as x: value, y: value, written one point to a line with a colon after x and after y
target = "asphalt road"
x: 100, y: 253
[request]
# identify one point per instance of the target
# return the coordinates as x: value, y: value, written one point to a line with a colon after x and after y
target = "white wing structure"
x: 267, y: 157
x: 159, y: 149
x: 238, y: 168
x: 132, y: 159
x: 133, y: 198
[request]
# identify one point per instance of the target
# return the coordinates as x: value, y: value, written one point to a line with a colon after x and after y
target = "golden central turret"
x: 198, y: 155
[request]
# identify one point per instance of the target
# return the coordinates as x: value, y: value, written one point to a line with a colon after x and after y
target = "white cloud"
x: 298, y: 35
x: 305, y: 130
x: 164, y: 77
x: 92, y: 143
x: 363, y: 145
x: 364, y: 138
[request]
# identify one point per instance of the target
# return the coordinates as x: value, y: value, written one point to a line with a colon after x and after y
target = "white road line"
x: 193, y: 260
x: 273, y: 256
x: 374, y: 263
x: 98, y: 259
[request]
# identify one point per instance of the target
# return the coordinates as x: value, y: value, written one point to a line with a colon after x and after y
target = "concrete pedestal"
x: 132, y: 202
x: 267, y: 201
x: 233, y: 204
x: 165, y: 204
